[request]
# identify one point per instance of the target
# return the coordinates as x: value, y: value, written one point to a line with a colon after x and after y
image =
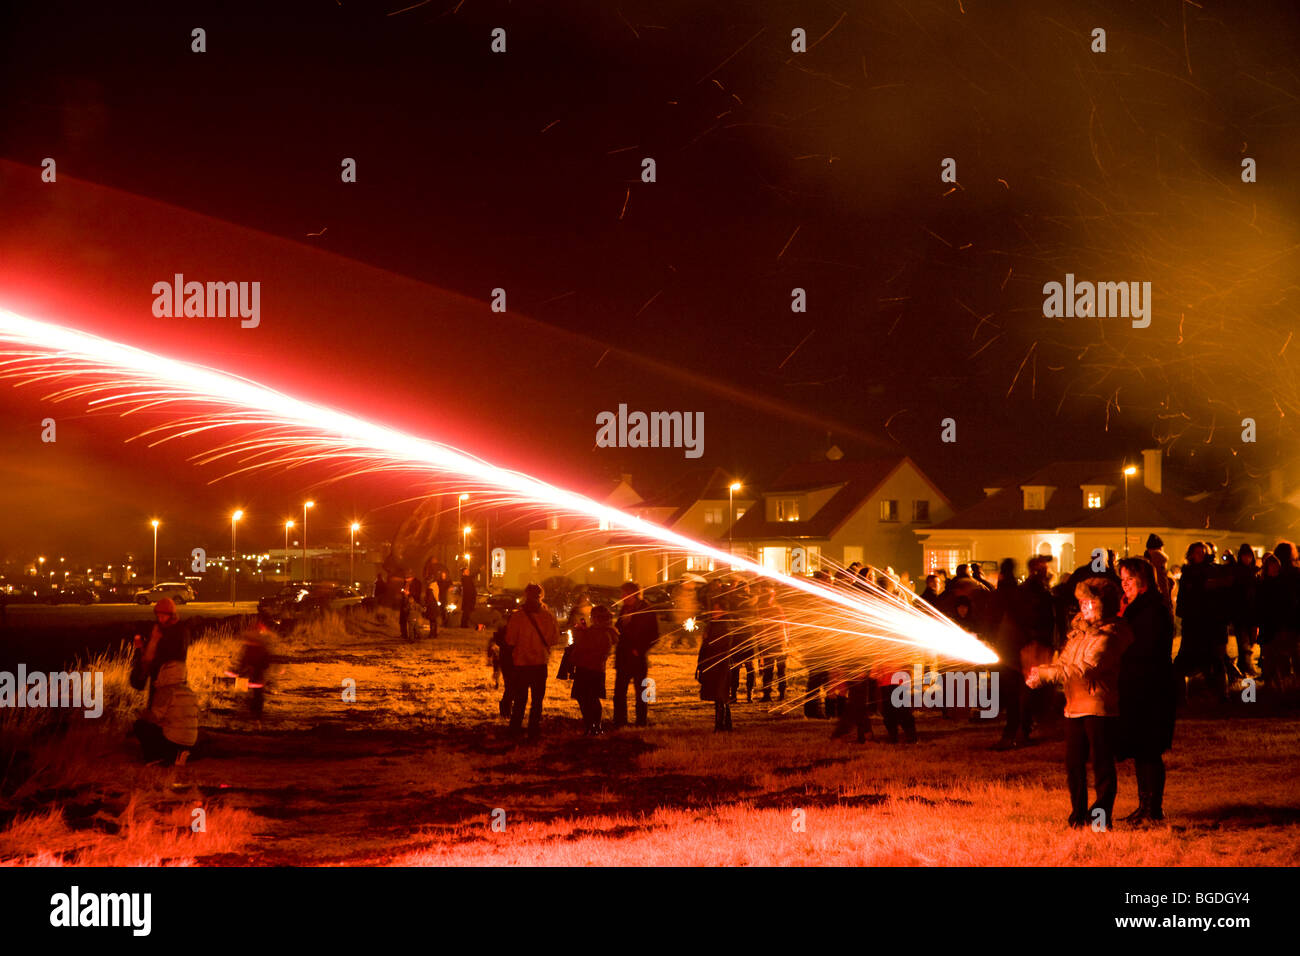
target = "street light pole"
x: 731, y: 511
x: 305, y: 506
x: 1128, y: 470
x: 352, y: 574
x: 154, y: 582
x: 288, y: 571
x: 234, y: 554
x: 460, y: 522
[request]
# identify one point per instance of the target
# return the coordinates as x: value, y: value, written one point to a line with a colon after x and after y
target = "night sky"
x: 775, y: 170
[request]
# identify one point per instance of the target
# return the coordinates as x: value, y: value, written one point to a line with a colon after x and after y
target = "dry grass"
x: 411, y: 772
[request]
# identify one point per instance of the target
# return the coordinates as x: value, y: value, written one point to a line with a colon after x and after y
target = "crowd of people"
x: 1095, y: 647
x: 434, y: 597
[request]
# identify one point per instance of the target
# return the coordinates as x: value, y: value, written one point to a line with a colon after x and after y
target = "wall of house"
x: 890, y: 543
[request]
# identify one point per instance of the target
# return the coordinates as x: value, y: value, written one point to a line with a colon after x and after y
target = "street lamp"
x: 288, y: 572
x: 1129, y: 471
x: 464, y: 542
x: 234, y: 555
x: 731, y: 510
x: 155, y: 524
x: 352, y: 576
x: 305, y: 506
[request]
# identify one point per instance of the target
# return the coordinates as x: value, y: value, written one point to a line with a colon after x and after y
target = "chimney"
x: 1151, y: 460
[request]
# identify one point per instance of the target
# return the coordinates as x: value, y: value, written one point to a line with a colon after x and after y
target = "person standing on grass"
x: 743, y: 645
x: 169, y: 725
x: 1148, y: 690
x: 468, y: 597
x: 774, y: 645
x: 1088, y: 669
x: 638, y: 630
x: 530, y: 635
x: 713, y: 667
x: 444, y: 596
x: 591, y: 647
x: 1244, y: 606
x: 431, y: 609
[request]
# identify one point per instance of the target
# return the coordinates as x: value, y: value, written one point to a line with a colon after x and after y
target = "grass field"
x: 417, y: 769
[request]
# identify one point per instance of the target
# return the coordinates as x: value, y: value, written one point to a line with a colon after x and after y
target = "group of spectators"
x: 520, y: 653
x: 410, y: 596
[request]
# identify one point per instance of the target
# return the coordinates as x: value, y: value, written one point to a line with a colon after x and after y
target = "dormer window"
x: 1035, y: 499
x: 787, y: 509
x: 1096, y: 496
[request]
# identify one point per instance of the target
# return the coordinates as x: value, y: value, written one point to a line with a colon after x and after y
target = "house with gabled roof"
x: 1069, y: 508
x: 831, y: 513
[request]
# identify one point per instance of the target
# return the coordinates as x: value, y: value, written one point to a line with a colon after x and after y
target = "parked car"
x: 19, y: 594
x: 72, y: 594
x: 178, y: 591
x: 296, y: 602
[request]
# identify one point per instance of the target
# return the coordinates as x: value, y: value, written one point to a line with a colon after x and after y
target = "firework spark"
x: 278, y: 430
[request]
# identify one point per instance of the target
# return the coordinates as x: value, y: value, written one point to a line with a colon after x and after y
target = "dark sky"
x: 775, y: 170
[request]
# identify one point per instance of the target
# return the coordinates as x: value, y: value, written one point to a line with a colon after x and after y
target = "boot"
x: 1141, y: 814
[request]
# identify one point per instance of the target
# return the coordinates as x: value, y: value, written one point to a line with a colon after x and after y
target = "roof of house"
x: 857, y: 480
x: 705, y: 484
x: 1065, y: 508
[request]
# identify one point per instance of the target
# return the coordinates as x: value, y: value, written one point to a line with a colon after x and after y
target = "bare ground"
x: 417, y: 769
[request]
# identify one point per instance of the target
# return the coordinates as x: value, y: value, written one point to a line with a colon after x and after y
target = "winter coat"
x: 713, y: 668
x: 1243, y: 612
x: 1088, y: 667
x: 528, y: 648
x: 173, y: 706
x: 1148, y: 689
x: 591, y: 646
x: 1275, y: 605
x: 638, y: 630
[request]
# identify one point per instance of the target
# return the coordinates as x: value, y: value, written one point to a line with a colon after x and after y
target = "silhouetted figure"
x: 468, y: 597
x: 444, y: 596
x: 638, y: 630
x: 254, y: 661
x: 713, y: 666
x: 591, y: 647
x: 774, y: 645
x: 1148, y: 691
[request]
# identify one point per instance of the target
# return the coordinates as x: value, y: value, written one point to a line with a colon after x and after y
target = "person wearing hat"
x: 169, y: 726
x: 1155, y: 553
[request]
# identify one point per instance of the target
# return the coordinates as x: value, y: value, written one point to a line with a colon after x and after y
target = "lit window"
x: 713, y: 516
x: 787, y: 509
x: 888, y: 509
x: 1094, y: 499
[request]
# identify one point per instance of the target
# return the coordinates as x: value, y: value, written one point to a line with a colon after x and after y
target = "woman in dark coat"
x: 1148, y: 686
x: 714, y: 668
x: 591, y: 647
